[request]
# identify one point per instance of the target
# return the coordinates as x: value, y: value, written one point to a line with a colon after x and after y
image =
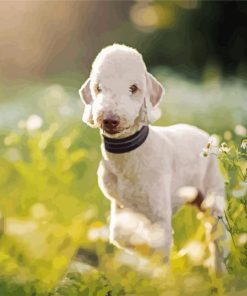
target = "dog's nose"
x: 111, y: 122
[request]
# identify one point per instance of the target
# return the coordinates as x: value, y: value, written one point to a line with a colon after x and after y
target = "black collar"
x: 126, y: 144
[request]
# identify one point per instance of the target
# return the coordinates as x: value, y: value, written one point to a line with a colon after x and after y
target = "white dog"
x: 143, y: 166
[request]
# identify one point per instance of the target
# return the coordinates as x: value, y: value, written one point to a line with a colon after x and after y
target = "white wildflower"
x: 242, y: 239
x: 187, y: 193
x: 244, y: 144
x: 205, y: 152
x: 209, y: 201
x: 34, y: 122
x: 211, y: 147
x: 19, y: 228
x: 240, y: 130
x: 99, y: 233
x: 195, y: 250
x: 238, y: 193
x: 213, y: 140
x: 224, y: 148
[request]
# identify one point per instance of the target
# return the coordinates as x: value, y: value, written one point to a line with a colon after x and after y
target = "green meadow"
x: 50, y: 203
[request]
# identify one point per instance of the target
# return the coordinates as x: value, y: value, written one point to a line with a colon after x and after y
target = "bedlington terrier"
x: 143, y: 166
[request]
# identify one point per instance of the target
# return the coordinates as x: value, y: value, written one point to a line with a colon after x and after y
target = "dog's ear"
x: 154, y: 88
x: 155, y: 92
x: 87, y: 99
x: 85, y: 92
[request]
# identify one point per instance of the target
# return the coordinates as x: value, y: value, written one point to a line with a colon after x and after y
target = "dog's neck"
x: 127, y: 144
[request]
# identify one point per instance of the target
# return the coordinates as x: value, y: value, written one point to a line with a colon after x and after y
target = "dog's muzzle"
x: 111, y: 123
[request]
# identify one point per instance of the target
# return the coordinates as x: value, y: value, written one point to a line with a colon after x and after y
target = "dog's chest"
x: 133, y: 193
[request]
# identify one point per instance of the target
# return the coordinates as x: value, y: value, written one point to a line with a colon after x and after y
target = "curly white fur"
x: 146, y: 180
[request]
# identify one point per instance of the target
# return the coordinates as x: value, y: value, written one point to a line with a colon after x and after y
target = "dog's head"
x: 120, y: 95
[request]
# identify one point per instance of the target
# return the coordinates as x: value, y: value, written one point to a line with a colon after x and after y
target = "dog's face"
x: 118, y: 90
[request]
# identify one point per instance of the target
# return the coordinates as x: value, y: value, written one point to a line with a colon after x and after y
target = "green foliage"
x: 50, y: 206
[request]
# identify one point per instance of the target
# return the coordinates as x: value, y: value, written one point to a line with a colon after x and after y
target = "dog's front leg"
x: 108, y: 185
x: 163, y: 243
x: 107, y: 181
x: 162, y: 211
x: 112, y: 236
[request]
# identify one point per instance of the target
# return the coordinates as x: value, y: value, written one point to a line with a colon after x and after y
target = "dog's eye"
x: 97, y: 88
x: 133, y: 88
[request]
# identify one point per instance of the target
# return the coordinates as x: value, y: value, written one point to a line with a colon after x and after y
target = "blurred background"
x: 194, y: 44
x: 43, y: 39
x: 50, y: 204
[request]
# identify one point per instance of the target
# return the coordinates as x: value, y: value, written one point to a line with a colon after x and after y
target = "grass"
x: 50, y: 204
